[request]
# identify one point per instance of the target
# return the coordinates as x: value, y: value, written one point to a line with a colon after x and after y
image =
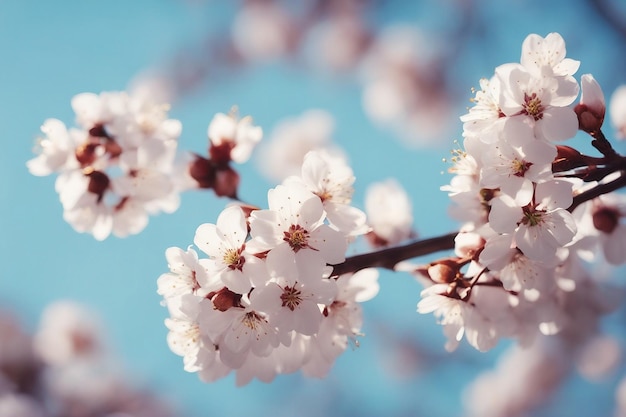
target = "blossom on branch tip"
x: 232, y: 138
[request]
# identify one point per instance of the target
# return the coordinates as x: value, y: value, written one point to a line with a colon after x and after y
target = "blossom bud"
x: 225, y: 299
x: 591, y: 109
x: 606, y: 219
x: 220, y: 154
x: 203, y: 171
x: 86, y: 153
x: 567, y: 158
x: 98, y: 183
x: 226, y: 183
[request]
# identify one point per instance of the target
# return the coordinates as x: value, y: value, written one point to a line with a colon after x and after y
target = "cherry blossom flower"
x: 331, y: 179
x: 540, y: 101
x: 295, y: 218
x: 232, y: 138
x: 485, y: 119
x: 237, y: 331
x: 291, y: 297
x: 224, y: 242
x: 188, y: 275
x: 543, y: 226
x: 546, y: 56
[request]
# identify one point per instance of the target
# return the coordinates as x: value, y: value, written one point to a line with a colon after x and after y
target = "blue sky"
x: 54, y: 50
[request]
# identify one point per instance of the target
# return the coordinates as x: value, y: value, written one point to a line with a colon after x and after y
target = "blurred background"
x: 390, y: 78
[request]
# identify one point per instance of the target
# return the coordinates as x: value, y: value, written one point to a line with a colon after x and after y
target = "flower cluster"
x: 265, y: 300
x: 519, y: 253
x: 115, y: 168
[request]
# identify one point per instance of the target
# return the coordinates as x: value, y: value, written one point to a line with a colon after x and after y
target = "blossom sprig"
x: 526, y: 212
x: 231, y: 139
x: 264, y: 301
x: 115, y: 168
x: 120, y: 164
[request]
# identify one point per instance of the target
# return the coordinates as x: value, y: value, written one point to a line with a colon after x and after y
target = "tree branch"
x: 388, y: 258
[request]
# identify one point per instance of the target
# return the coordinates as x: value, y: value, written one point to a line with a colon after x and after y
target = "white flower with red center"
x: 546, y: 56
x: 331, y: 179
x: 542, y: 102
x: 188, y: 275
x: 295, y: 219
x: 237, y: 331
x: 293, y: 293
x: 232, y: 138
x: 513, y: 169
x: 56, y: 149
x: 485, y: 119
x: 389, y: 212
x: 541, y: 227
x: 224, y: 242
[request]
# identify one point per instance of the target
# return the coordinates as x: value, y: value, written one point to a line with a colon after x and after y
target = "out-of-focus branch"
x: 603, y: 8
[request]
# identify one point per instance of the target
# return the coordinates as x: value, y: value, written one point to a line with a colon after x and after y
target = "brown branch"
x: 388, y: 258
x: 597, y: 191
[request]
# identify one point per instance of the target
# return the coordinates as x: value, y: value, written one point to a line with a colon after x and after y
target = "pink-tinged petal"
x: 561, y: 225
x: 558, y: 123
x: 266, y: 229
x: 236, y: 281
x: 232, y: 227
x: 311, y: 213
x: 566, y: 92
x: 592, y: 95
x: 266, y: 299
x: 331, y: 244
x: 207, y: 239
x: 281, y: 265
x: 504, y: 214
x: 314, y: 170
x: 366, y: 280
x: 535, y: 243
x: 554, y: 194
x: 614, y: 245
x: 516, y: 131
x: 346, y: 219
x: 539, y: 152
x: 498, y: 251
x: 519, y: 188
x: 307, y: 318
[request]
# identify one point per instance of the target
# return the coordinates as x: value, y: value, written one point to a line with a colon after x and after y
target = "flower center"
x: 291, y: 298
x: 532, y: 217
x: 533, y: 106
x: 297, y: 237
x: 233, y: 258
x: 519, y: 168
x: 252, y: 319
